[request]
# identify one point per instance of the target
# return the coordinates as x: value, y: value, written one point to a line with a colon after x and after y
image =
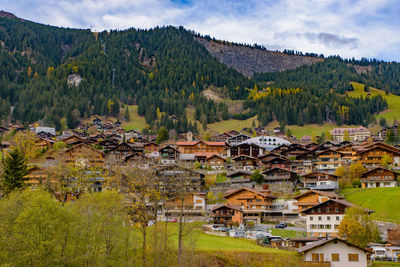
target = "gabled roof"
x: 380, y: 145
x: 377, y: 168
x: 340, y: 201
x: 276, y: 158
x: 327, y: 150
x: 255, y: 191
x: 215, y: 155
x: 323, y: 173
x: 328, y: 194
x: 226, y: 206
x: 271, y: 154
x: 277, y: 168
x: 192, y: 143
x: 324, y: 241
x: 84, y: 145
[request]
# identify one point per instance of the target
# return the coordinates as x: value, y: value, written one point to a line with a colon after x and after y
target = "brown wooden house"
x: 83, y: 154
x: 379, y: 177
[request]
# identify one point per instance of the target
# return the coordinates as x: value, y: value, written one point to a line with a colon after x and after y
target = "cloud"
x: 350, y: 28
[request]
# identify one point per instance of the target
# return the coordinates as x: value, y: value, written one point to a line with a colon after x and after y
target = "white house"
x: 337, y: 252
x: 323, y: 220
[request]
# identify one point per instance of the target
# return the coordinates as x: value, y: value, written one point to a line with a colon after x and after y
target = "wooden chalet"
x: 226, y: 214
x: 194, y: 147
x: 82, y: 154
x: 280, y: 149
x: 122, y: 150
x: 379, y: 177
x: 151, y: 147
x: 320, y: 181
x: 294, y: 150
x: 312, y: 197
x: 45, y: 135
x: 373, y: 154
x: 192, y: 208
x: 252, y: 202
x: 169, y: 152
x: 73, y: 140
x: 328, y: 160
x: 215, y: 162
x: 277, y: 162
x: 107, y: 144
x: 237, y: 139
x: 245, y: 162
x: 280, y: 175
x: 246, y: 149
x: 220, y: 137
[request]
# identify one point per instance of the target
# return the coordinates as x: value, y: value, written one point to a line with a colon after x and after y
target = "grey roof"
x: 321, y: 242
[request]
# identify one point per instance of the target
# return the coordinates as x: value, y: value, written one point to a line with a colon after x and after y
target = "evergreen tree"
x: 14, y: 170
x: 162, y: 135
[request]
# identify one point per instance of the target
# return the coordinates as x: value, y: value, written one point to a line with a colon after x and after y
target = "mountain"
x: 61, y: 76
x: 249, y: 60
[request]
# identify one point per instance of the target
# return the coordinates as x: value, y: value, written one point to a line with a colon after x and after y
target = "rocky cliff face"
x: 249, y: 60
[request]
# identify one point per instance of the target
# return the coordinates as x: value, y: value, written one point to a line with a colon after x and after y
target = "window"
x: 319, y: 210
x: 328, y: 218
x: 328, y: 226
x: 336, y: 226
x: 317, y: 256
x: 319, y: 218
x: 337, y: 218
x: 336, y: 210
x: 335, y: 257
x: 311, y: 218
x: 353, y: 257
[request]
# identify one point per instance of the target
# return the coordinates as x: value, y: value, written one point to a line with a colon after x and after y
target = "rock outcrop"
x: 248, y: 60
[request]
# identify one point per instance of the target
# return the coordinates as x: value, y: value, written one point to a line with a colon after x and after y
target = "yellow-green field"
x: 136, y: 122
x: 384, y: 201
x: 393, y: 110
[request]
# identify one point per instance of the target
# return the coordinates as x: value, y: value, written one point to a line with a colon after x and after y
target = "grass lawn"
x: 136, y: 122
x: 287, y: 233
x: 393, y: 101
x: 385, y: 264
x: 384, y: 201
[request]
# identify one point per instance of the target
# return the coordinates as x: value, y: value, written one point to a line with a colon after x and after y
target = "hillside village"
x: 234, y: 181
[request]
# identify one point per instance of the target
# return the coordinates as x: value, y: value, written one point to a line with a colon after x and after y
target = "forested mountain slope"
x: 62, y: 76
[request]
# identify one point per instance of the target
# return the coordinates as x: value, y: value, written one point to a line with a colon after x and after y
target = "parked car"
x: 221, y: 229
x: 240, y: 234
x: 281, y: 225
x: 173, y: 220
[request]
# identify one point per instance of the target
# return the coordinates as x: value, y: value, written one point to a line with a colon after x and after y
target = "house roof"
x: 377, y: 168
x: 255, y: 191
x: 322, y: 242
x: 323, y: 173
x: 328, y: 194
x: 85, y: 145
x: 340, y: 201
x: 327, y: 150
x: 277, y: 168
x: 227, y: 206
x: 192, y: 143
x: 236, y: 158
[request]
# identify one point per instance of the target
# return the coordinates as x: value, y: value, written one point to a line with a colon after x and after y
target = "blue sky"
x: 349, y: 28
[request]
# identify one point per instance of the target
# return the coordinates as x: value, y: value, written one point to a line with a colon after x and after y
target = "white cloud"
x: 349, y: 27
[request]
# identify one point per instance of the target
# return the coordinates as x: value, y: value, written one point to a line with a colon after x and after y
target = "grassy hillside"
x: 393, y: 101
x: 384, y: 201
x: 136, y: 122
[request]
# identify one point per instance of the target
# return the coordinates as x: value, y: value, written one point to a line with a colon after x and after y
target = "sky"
x: 349, y: 28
